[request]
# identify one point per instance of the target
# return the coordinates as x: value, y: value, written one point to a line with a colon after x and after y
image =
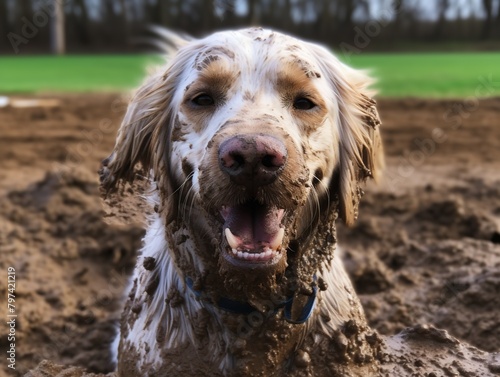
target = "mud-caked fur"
x: 253, y: 77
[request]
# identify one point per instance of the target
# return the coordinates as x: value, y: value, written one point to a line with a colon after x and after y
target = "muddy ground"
x: 425, y: 249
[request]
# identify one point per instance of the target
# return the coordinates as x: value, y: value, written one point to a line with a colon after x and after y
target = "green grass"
x: 73, y: 73
x: 433, y: 74
x: 416, y: 74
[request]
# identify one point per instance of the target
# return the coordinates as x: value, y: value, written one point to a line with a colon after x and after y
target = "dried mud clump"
x: 71, y: 268
x: 47, y: 368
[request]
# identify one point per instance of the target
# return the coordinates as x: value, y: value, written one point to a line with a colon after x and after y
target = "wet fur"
x: 165, y: 329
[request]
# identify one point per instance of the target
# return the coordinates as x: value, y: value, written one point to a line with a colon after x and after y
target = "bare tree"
x: 488, y: 10
x: 125, y: 19
x: 329, y: 21
x: 253, y: 14
x: 442, y: 6
x: 167, y: 10
x: 57, y: 39
x: 365, y: 6
x: 25, y: 8
x: 325, y: 12
x: 80, y: 19
x: 398, y: 7
x: 108, y: 8
x: 23, y: 11
x: 5, y: 26
x: 409, y: 14
x: 349, y: 7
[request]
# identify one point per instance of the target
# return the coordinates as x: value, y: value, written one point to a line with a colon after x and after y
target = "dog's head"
x: 252, y: 137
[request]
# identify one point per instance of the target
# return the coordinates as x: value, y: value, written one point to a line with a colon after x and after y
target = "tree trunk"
x: 398, y: 9
x: 23, y: 10
x: 287, y: 16
x: 229, y: 14
x: 124, y: 11
x: 348, y: 22
x: 253, y: 15
x: 57, y: 37
x: 488, y: 10
x: 109, y: 12
x: 5, y: 27
x: 325, y: 20
x: 208, y: 14
x: 439, y: 28
x: 165, y: 12
x: 82, y: 23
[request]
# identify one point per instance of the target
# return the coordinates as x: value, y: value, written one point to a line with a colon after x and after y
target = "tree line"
x: 353, y: 25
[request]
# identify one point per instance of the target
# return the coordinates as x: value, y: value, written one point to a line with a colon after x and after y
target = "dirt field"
x: 425, y: 250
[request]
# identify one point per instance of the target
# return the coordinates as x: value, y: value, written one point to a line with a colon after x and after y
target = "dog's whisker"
x: 325, y: 191
x: 192, y: 199
x: 181, y: 186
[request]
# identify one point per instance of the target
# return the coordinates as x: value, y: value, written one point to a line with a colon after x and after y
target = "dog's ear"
x: 133, y: 152
x: 142, y: 144
x: 361, y: 152
x: 357, y: 120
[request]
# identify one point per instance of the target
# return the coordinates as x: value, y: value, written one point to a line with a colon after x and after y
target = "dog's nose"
x: 252, y: 160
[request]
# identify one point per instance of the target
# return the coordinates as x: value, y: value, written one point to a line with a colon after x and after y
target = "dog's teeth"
x: 266, y: 254
x: 278, y: 240
x: 231, y: 239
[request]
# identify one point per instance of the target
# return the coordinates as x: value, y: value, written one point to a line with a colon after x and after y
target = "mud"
x: 425, y: 248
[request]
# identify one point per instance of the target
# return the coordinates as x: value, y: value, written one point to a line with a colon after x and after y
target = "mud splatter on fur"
x: 332, y: 146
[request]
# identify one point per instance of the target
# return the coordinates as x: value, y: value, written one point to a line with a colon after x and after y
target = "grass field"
x: 434, y: 74
x: 417, y: 75
x: 72, y: 73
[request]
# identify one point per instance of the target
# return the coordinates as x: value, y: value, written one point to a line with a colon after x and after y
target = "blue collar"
x: 238, y: 307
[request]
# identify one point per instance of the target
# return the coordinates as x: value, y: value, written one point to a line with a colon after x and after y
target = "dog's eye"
x: 302, y: 103
x: 203, y: 100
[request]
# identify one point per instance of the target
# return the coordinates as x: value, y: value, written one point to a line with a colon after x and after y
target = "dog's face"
x: 251, y: 137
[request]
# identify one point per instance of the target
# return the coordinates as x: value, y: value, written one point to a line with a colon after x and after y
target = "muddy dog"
x: 255, y: 143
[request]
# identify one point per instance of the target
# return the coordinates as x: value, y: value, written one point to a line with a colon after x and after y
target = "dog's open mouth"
x: 254, y: 233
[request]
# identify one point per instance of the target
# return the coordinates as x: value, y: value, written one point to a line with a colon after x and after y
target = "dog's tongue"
x: 253, y: 227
